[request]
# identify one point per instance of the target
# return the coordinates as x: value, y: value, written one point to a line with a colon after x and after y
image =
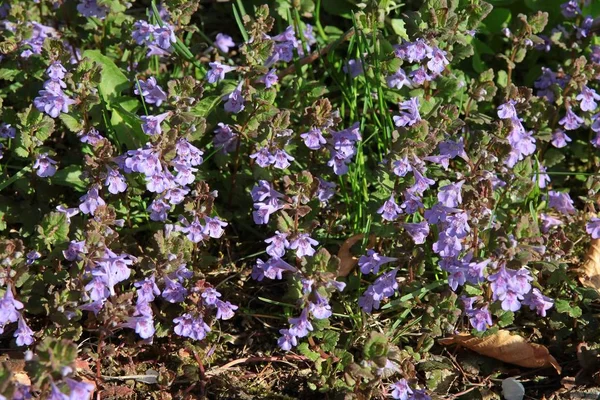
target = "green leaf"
x: 376, y: 346
x: 205, y: 106
x: 399, y: 28
x: 127, y: 125
x: 70, y: 176
x: 305, y: 351
x: 113, y: 81
x: 497, y: 19
x: 564, y: 307
x: 54, y: 229
x: 73, y: 123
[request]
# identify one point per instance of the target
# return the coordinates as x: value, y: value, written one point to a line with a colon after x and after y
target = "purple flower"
x: 417, y: 231
x: 217, y: 72
x: 593, y: 227
x: 560, y: 139
x: 98, y: 291
x: 164, y: 36
x: 313, y: 139
x: 44, y: 165
x: 538, y: 302
x: 281, y: 159
x: 53, y: 102
x: 263, y: 157
x: 225, y: 310
x: 384, y: 286
x: 173, y: 292
x: 570, y: 9
x: 23, y: 334
x: 91, y: 201
x: 410, y: 114
x: 56, y: 71
x: 224, y: 42
x: 303, y: 245
x: 419, y: 76
x: 194, y: 230
x: 234, y: 101
x: 480, y: 318
x: 401, y: 167
x: 264, y: 191
x: 457, y: 225
x: 115, y: 181
x: 398, y: 80
x: 541, y: 177
x: 7, y: 131
x: 450, y: 195
x: 225, y: 138
x: 561, y: 202
x: 146, y: 290
x: 287, y: 340
x: 507, y: 110
x: 587, y: 98
x: 325, y: 190
x: 8, y: 308
x: 372, y: 261
x: 94, y: 306
x: 412, y: 202
x: 438, y: 61
x: 143, y: 325
x: 354, y: 67
x: 571, y: 121
x: 91, y: 8
x: 422, y: 183
x: 142, y: 32
x: 79, y: 390
x: 548, y: 222
x: 210, y: 296
x: 277, y: 244
x: 521, y: 142
x: 214, y: 227
x: 270, y: 78
x: 158, y: 210
x: 300, y: 326
x: 192, y: 327
x: 447, y: 245
x: 74, y: 251
x: 153, y: 94
x: 454, y: 149
x: 400, y: 390
x: 151, y: 123
x: 389, y: 210
x: 263, y: 212
x: 56, y: 394
x: 321, y: 308
x: 272, y: 269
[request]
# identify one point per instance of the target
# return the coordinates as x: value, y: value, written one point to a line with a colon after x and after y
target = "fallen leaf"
x: 503, y: 346
x: 347, y: 260
x: 589, y: 271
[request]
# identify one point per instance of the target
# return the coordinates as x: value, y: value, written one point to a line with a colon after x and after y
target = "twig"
x: 315, y: 55
x: 245, y: 360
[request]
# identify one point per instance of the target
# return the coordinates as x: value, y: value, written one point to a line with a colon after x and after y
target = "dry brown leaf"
x: 589, y: 271
x: 503, y: 346
x: 347, y: 260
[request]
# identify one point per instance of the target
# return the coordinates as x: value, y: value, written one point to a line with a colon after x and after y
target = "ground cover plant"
x: 299, y: 199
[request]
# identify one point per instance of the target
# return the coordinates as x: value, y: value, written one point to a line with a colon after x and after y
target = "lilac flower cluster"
x: 52, y: 100
x: 522, y: 143
x: 401, y: 390
x: 9, y: 313
x: 159, y: 39
x: 428, y: 58
x: 169, y: 185
x: 286, y: 42
x: 39, y: 34
x: 315, y: 303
